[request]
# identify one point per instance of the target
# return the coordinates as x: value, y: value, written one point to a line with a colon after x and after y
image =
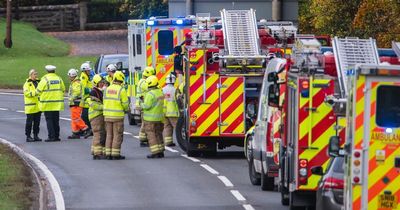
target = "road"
x: 175, y: 182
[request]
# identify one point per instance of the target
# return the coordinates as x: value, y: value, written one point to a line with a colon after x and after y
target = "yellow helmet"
x: 119, y: 76
x: 152, y: 81
x: 148, y: 71
x: 97, y: 79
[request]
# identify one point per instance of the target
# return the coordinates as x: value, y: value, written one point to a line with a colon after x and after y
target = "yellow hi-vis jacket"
x: 115, y: 102
x: 95, y: 103
x: 75, y: 92
x: 170, y: 105
x: 153, y: 105
x: 51, y: 89
x: 31, y: 99
x: 140, y: 90
x: 86, y: 87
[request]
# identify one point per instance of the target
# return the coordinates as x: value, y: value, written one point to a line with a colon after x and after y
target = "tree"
x: 145, y: 8
x: 305, y: 17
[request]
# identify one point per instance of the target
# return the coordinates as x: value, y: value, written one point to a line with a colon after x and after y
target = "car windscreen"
x: 114, y: 60
x: 338, y: 165
x: 388, y: 106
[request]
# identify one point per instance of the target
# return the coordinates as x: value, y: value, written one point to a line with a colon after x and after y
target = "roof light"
x: 150, y: 22
x: 389, y: 130
x: 179, y: 21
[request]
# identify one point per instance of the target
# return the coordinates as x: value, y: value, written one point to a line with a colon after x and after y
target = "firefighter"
x: 51, y: 89
x: 32, y: 111
x: 171, y: 111
x: 86, y: 87
x: 141, y: 90
x: 78, y: 126
x: 115, y: 105
x: 110, y: 69
x: 96, y: 117
x: 153, y: 116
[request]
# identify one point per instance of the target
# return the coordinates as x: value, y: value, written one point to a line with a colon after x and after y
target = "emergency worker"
x: 115, y: 106
x: 78, y: 126
x: 141, y: 90
x: 96, y: 117
x: 171, y: 111
x: 86, y: 87
x: 32, y: 111
x: 110, y: 69
x: 153, y: 116
x: 51, y: 89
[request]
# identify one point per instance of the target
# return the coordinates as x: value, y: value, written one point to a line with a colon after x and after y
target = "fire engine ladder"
x: 351, y: 51
x: 240, y: 33
x: 396, y: 48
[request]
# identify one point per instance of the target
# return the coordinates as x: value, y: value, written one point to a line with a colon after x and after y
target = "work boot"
x: 50, y: 140
x: 36, y: 138
x: 109, y: 157
x: 171, y: 144
x: 98, y: 157
x: 88, y: 133
x: 29, y: 139
x: 144, y: 144
x: 74, y: 136
x: 120, y: 157
x: 157, y: 155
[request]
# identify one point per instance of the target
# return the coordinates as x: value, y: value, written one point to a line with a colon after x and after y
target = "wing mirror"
x: 334, y: 146
x: 317, y: 170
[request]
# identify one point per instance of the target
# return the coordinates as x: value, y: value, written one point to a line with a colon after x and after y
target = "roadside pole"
x: 8, y: 40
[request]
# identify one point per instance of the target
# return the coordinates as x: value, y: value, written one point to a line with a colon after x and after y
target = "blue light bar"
x: 150, y: 22
x: 179, y: 22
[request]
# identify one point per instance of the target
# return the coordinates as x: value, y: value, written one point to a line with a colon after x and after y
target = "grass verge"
x: 17, y: 190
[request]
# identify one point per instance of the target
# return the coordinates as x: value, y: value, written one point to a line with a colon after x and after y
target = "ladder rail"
x: 396, y: 48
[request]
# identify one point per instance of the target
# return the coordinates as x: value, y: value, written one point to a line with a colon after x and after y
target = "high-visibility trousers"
x: 115, y: 132
x: 99, y: 135
x: 154, y: 135
x: 77, y: 124
x: 169, y: 125
x: 142, y: 132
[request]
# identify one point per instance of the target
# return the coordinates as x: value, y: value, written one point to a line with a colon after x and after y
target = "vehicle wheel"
x: 284, y: 197
x: 131, y: 119
x: 267, y: 183
x: 291, y: 206
x: 282, y: 188
x: 255, y: 178
x: 193, y: 153
x: 180, y: 131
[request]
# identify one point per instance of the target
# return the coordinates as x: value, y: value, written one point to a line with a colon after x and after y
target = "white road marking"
x: 127, y: 133
x: 3, y: 109
x: 190, y: 158
x: 209, y: 169
x: 63, y: 118
x: 237, y: 195
x: 248, y: 207
x: 20, y: 111
x: 171, y: 150
x: 137, y: 137
x: 54, y: 185
x: 226, y: 181
x: 11, y: 94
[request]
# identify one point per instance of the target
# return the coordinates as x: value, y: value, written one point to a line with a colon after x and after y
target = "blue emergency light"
x: 389, y: 130
x: 150, y: 22
x: 179, y: 22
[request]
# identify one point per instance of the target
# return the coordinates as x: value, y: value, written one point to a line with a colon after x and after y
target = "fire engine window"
x: 139, y: 44
x: 165, y: 42
x: 133, y: 45
x: 388, y: 106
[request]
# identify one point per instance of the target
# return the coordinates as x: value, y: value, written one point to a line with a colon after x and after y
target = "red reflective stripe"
x: 196, y: 104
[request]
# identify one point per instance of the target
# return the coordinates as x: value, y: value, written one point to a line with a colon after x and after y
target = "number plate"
x: 387, y: 202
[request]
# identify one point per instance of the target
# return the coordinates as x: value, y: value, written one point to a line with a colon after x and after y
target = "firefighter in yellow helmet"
x: 115, y: 105
x: 153, y: 116
x: 96, y: 117
x: 51, y: 89
x: 86, y: 87
x: 171, y: 111
x: 141, y: 89
x: 32, y: 111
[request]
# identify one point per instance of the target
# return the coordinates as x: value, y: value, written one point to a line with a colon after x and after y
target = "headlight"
x: 303, y: 172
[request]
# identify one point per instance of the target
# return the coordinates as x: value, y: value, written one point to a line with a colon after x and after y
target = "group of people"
x: 98, y: 106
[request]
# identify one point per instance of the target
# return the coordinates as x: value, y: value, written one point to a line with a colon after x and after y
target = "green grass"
x: 16, y: 186
x: 33, y: 49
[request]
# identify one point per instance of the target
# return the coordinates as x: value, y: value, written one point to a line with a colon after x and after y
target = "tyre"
x: 267, y: 183
x: 282, y: 188
x: 181, y: 136
x: 131, y: 119
x: 255, y: 178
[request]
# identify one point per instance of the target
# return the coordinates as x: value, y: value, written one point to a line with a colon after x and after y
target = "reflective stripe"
x: 31, y: 104
x: 51, y: 90
x: 153, y: 115
x: 113, y: 99
x: 112, y: 110
x: 52, y: 101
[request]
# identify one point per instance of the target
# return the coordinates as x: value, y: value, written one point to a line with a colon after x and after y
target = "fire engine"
x: 224, y: 66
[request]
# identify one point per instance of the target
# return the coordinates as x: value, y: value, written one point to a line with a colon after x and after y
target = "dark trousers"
x: 85, y: 117
x: 53, y: 124
x: 32, y: 120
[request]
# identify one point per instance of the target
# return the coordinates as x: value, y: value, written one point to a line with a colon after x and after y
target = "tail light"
x: 268, y: 142
x: 356, y: 167
x: 305, y: 89
x: 193, y: 127
x: 333, y: 183
x: 303, y: 171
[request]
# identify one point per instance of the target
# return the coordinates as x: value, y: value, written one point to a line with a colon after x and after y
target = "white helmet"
x: 50, y: 68
x: 170, y: 79
x: 85, y: 67
x: 111, y: 67
x: 72, y: 73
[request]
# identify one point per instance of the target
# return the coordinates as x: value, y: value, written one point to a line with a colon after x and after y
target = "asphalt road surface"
x: 175, y: 182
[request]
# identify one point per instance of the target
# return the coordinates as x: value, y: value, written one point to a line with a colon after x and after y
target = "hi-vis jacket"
x: 75, y: 92
x: 153, y: 105
x: 51, y: 89
x: 31, y: 99
x: 170, y: 104
x: 86, y: 87
x: 115, y: 102
x: 95, y: 103
x: 141, y: 90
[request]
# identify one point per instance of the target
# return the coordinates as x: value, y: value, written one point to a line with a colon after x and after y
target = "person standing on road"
x: 171, y: 111
x: 140, y: 91
x: 110, y: 69
x: 51, y: 89
x: 86, y: 87
x: 115, y: 106
x: 32, y: 111
x: 152, y: 105
x: 78, y: 126
x: 96, y: 117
